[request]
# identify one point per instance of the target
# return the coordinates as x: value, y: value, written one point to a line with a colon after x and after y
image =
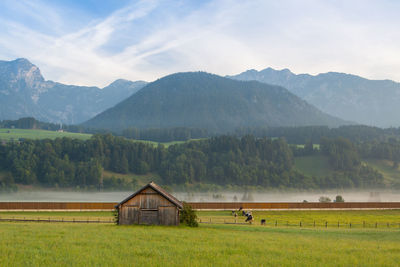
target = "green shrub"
x: 324, y: 199
x: 188, y: 216
x: 339, y: 198
x: 116, y: 216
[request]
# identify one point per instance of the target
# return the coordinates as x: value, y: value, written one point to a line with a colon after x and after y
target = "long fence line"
x: 269, y: 223
x: 80, y: 206
x: 68, y: 220
x: 309, y: 224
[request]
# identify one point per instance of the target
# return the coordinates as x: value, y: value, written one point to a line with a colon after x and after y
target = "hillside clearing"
x: 16, y: 134
x: 317, y: 165
x: 385, y: 167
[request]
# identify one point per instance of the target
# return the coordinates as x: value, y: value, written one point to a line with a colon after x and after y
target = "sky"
x: 90, y: 42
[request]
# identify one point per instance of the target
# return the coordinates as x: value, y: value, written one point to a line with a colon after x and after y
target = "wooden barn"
x: 150, y: 205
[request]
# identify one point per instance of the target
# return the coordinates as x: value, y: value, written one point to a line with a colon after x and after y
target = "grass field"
x: 391, y: 175
x: 317, y: 165
x: 80, y: 244
x: 15, y: 134
x: 166, y: 144
x: 358, y: 218
x: 142, y: 179
x: 67, y: 244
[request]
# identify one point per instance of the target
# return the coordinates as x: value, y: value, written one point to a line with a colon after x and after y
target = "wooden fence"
x: 203, y: 205
x: 292, y: 205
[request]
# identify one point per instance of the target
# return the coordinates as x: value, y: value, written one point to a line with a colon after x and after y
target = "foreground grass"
x: 15, y: 134
x: 43, y: 244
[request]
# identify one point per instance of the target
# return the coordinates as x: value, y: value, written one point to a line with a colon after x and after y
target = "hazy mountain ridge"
x: 350, y: 97
x: 207, y: 101
x: 24, y: 92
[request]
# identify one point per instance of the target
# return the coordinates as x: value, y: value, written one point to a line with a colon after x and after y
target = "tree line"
x: 222, y: 160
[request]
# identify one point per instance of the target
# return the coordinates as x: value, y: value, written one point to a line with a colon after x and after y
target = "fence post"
x: 276, y: 223
x: 350, y: 225
x: 388, y: 225
x: 300, y: 223
x: 376, y: 225
x: 326, y: 224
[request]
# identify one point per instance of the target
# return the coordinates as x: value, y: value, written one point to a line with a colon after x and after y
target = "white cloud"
x: 223, y: 37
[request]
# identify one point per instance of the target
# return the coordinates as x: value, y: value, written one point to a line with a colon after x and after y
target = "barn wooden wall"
x: 149, y: 207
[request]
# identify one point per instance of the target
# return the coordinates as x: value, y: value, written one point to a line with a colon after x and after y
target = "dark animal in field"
x: 249, y: 218
x: 263, y: 221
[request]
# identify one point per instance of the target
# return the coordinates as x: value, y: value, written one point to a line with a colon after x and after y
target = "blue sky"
x: 95, y: 42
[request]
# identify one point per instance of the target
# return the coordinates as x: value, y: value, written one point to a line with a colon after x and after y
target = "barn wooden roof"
x: 158, y: 189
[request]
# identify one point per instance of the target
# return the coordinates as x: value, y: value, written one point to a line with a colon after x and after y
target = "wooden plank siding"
x: 149, y: 207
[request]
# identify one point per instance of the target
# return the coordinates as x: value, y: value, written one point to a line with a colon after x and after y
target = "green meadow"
x: 278, y: 218
x: 15, y: 134
x: 317, y: 165
x: 211, y: 244
x: 79, y: 244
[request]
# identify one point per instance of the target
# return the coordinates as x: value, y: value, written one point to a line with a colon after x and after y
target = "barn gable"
x: 150, y: 205
x: 156, y: 188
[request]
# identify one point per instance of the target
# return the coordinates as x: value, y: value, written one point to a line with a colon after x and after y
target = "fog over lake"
x: 349, y: 196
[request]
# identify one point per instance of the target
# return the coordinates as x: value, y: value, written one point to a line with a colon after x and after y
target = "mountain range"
x: 201, y: 100
x: 25, y: 93
x: 350, y: 97
x: 207, y: 101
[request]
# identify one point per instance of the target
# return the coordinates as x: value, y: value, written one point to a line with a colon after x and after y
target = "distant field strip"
x: 326, y: 219
x: 16, y: 134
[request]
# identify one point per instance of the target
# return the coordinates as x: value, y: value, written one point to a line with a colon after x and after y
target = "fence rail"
x: 69, y: 220
x: 270, y: 223
x: 314, y: 224
x: 292, y: 205
x: 203, y: 205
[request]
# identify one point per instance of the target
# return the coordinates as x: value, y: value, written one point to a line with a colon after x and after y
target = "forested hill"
x: 216, y: 104
x: 223, y: 160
